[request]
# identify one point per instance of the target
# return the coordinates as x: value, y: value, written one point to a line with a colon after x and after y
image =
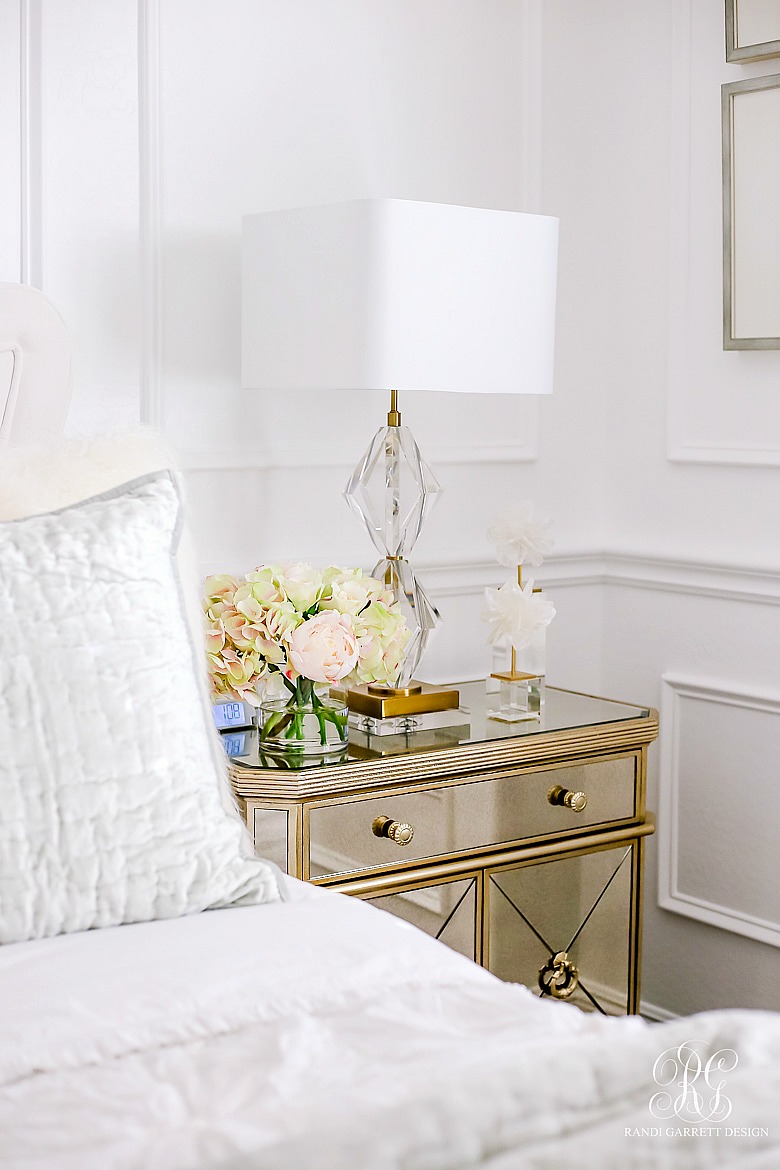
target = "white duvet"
x: 320, y: 1033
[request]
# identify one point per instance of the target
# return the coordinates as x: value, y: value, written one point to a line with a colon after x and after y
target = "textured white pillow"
x: 45, y: 476
x: 110, y: 802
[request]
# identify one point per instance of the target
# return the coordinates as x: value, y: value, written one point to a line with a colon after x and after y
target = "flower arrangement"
x: 285, y: 630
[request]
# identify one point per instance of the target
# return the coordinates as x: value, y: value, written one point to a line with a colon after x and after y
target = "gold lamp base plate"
x: 388, y: 704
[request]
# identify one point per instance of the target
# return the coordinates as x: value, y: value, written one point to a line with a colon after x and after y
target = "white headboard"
x: 34, y: 365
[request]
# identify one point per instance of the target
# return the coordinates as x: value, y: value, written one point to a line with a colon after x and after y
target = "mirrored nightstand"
x: 519, y: 845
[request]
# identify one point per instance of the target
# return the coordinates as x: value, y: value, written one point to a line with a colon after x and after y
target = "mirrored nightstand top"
x: 563, y: 710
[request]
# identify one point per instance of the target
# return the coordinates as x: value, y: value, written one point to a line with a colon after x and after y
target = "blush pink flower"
x: 324, y: 648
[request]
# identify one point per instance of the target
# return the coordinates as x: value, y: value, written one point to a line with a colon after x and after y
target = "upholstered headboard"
x: 34, y: 365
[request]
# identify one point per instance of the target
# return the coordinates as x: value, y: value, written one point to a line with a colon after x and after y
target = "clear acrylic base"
x: 406, y: 724
x: 518, y: 698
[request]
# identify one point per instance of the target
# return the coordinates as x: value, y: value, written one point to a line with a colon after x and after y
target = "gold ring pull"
x: 399, y: 831
x: 559, y: 977
x: 576, y: 801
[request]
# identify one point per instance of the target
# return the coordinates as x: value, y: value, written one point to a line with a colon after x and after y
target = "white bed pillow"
x: 44, y: 476
x: 111, y: 806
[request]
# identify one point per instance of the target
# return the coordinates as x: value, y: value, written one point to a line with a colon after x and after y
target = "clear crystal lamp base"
x: 393, y: 489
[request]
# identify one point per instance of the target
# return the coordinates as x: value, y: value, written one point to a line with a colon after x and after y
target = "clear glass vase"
x: 303, y: 725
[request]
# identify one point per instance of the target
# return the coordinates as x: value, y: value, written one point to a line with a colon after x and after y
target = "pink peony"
x: 324, y: 648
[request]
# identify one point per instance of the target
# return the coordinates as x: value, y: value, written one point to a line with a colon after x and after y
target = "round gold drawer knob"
x: 576, y: 801
x: 399, y: 831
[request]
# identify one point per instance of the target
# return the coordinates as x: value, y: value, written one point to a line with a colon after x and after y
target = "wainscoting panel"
x: 720, y: 762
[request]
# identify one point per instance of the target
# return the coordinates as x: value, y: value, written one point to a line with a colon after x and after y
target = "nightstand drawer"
x: 351, y: 836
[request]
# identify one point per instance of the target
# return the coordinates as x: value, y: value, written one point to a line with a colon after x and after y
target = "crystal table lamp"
x: 395, y: 295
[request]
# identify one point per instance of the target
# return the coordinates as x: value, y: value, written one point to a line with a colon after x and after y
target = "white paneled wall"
x: 142, y: 132
x: 134, y: 136
x: 632, y: 163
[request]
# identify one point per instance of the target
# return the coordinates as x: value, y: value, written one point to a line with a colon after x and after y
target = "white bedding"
x: 322, y: 1033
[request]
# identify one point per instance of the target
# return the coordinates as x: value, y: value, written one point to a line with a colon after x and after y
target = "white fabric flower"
x: 522, y: 537
x: 516, y: 613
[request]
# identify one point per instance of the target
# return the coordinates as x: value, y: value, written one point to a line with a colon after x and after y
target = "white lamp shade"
x: 389, y: 294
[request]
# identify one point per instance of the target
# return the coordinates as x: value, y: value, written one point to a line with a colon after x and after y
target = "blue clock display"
x: 229, y: 715
x: 235, y: 744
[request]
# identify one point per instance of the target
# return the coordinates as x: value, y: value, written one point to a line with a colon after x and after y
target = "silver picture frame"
x: 750, y: 113
x: 744, y: 19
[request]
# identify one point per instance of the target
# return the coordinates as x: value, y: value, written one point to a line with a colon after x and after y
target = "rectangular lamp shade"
x: 390, y: 294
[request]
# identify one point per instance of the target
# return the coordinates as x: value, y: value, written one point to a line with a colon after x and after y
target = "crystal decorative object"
x: 409, y: 724
x: 422, y: 616
x: 501, y: 663
x: 521, y: 688
x: 518, y: 699
x: 532, y: 659
x: 393, y: 489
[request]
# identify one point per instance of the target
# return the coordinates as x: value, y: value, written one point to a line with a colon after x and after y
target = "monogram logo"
x: 693, y: 1082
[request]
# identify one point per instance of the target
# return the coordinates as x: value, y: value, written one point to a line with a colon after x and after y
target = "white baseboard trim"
x: 615, y: 1004
x: 658, y: 1015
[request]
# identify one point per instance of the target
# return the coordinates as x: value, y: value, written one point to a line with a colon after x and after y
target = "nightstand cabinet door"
x: 450, y: 910
x: 567, y: 927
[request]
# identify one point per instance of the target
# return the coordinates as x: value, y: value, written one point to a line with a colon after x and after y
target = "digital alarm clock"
x: 235, y: 744
x: 233, y: 714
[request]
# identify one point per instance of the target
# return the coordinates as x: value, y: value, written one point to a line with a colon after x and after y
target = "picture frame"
x: 752, y: 30
x: 750, y: 113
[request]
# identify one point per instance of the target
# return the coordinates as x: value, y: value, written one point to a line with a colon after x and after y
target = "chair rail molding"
x: 677, y: 691
x: 739, y: 583
x: 729, y: 582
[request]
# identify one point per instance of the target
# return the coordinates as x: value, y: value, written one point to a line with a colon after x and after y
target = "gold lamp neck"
x: 394, y: 414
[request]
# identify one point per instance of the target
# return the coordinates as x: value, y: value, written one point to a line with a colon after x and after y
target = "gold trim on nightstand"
x: 451, y: 763
x: 445, y: 868
x: 445, y: 829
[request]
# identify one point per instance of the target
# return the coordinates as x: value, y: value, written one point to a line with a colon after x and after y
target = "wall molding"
x: 150, y: 213
x: 593, y: 567
x: 679, y: 447
x: 31, y: 257
x: 303, y: 459
x: 739, y: 583
x: 587, y: 567
x: 729, y: 582
x: 658, y: 1015
x: 670, y: 896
